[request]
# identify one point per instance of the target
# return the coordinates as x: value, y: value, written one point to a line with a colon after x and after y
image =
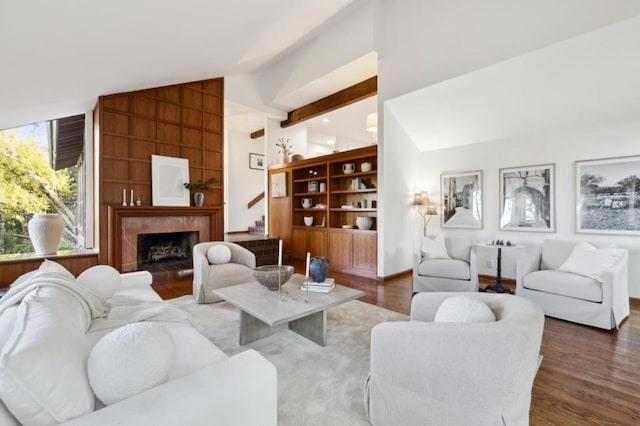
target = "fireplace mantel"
x: 117, y: 213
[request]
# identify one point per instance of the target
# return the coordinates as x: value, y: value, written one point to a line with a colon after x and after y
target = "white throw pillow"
x: 464, y: 309
x: 104, y: 280
x: 434, y: 248
x: 130, y: 360
x: 591, y: 263
x: 218, y: 254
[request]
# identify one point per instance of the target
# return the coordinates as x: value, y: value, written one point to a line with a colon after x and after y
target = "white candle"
x: 124, y: 197
x: 131, y: 203
x: 280, y: 253
x: 306, y: 273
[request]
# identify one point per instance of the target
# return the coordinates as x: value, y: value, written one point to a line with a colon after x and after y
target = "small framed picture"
x: 256, y: 161
x: 279, y: 185
x: 607, y: 196
x: 461, y: 199
x: 527, y: 198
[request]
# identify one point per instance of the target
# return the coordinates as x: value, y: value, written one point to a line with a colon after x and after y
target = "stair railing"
x: 255, y: 200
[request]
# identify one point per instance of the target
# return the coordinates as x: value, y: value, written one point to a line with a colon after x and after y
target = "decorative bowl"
x: 364, y: 222
x: 269, y: 275
x: 308, y: 220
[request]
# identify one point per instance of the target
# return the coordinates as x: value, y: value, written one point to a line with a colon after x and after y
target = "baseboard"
x: 400, y: 274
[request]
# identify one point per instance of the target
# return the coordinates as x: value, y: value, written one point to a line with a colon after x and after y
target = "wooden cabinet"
x: 332, y: 192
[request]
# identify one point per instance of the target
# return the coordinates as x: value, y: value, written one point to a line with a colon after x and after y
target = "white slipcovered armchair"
x: 445, y: 373
x: 208, y: 276
x: 576, y: 282
x: 445, y: 263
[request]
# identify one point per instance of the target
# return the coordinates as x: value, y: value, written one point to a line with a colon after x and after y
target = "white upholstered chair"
x: 592, y: 289
x: 208, y: 276
x: 445, y: 263
x: 444, y: 373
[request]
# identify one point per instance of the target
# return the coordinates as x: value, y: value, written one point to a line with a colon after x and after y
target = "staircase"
x: 258, y: 229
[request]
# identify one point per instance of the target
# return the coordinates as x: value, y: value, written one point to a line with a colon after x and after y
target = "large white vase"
x: 45, y: 231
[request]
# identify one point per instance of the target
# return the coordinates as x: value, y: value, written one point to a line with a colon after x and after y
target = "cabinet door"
x: 317, y: 242
x: 364, y: 253
x: 339, y: 250
x: 299, y: 243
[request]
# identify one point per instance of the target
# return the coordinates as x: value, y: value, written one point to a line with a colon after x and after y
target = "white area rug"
x: 316, y: 385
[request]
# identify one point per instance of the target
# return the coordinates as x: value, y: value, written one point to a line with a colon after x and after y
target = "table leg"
x: 498, y: 287
x: 313, y: 327
x: 252, y: 329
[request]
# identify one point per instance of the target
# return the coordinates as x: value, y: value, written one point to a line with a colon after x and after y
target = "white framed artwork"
x: 168, y: 176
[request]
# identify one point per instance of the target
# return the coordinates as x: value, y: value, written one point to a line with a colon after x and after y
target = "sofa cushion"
x: 130, y: 360
x: 555, y: 252
x: 43, y: 378
x: 459, y: 248
x: 229, y: 274
x: 592, y: 263
x: 218, y: 254
x: 445, y: 268
x: 564, y: 284
x: 434, y: 248
x: 464, y: 309
x: 104, y: 280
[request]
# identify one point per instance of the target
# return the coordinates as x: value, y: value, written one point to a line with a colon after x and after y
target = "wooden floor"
x: 588, y: 376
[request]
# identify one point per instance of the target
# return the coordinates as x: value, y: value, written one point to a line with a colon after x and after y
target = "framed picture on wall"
x: 608, y: 196
x: 256, y: 161
x: 279, y: 185
x: 461, y: 199
x: 527, y: 198
x: 168, y: 176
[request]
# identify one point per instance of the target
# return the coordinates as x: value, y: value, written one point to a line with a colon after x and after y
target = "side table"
x: 498, y: 287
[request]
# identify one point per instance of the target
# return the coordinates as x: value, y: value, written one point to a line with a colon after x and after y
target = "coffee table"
x: 262, y: 313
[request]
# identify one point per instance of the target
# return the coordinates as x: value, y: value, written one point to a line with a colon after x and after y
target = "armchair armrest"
x: 615, y: 288
x: 136, y: 278
x: 242, y: 255
x: 525, y: 266
x: 242, y: 390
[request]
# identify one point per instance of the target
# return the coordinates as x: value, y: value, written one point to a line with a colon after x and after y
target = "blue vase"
x: 318, y: 268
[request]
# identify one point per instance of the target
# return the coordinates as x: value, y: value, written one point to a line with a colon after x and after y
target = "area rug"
x: 316, y: 385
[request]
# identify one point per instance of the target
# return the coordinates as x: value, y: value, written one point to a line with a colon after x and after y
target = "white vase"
x: 364, y: 222
x: 45, y: 231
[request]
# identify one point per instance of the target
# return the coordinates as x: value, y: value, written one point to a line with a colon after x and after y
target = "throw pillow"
x: 592, y: 263
x: 130, y: 360
x: 218, y: 254
x: 103, y: 280
x: 434, y: 248
x: 464, y: 309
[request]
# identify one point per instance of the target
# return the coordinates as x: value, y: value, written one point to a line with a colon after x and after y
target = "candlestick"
x: 124, y: 197
x: 279, y: 253
x: 306, y: 273
x: 131, y: 203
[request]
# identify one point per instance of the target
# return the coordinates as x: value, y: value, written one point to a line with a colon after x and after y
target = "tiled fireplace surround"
x: 127, y: 222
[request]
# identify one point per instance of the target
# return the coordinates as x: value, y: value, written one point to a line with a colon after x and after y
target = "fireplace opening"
x: 167, y: 248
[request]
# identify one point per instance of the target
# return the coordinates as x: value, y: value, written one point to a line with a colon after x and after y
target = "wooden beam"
x: 355, y: 93
x: 257, y: 134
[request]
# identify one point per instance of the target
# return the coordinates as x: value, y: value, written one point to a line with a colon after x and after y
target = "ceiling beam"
x: 257, y: 134
x: 355, y: 93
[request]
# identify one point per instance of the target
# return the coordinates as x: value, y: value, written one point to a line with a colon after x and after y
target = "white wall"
x: 562, y: 147
x: 243, y: 183
x: 297, y: 136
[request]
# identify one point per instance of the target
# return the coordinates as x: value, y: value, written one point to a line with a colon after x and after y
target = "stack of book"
x: 324, y: 287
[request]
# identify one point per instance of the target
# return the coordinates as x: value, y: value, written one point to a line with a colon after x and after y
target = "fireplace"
x: 165, y: 248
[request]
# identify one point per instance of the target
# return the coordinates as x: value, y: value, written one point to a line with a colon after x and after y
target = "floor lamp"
x: 425, y: 209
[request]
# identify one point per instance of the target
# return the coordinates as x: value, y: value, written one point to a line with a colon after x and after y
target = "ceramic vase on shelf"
x: 364, y: 222
x: 45, y: 232
x: 318, y: 268
x: 198, y: 199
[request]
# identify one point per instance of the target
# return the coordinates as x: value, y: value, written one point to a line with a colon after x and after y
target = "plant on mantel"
x: 199, y: 187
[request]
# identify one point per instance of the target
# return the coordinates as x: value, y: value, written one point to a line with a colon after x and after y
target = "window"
x: 42, y: 171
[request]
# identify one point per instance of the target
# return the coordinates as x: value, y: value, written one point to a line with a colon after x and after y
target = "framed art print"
x: 256, y: 161
x: 461, y: 199
x: 527, y: 198
x: 279, y: 185
x: 608, y: 196
x: 168, y: 176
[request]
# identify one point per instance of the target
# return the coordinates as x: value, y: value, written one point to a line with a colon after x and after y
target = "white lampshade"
x: 372, y: 122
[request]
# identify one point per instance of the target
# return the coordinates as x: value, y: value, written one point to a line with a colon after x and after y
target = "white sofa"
x: 44, y: 380
x: 445, y: 263
x: 425, y: 372
x: 598, y: 297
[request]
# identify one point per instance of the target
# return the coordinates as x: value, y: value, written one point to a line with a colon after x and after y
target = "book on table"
x: 324, y: 287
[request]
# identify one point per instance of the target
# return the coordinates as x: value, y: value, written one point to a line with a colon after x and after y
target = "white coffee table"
x: 262, y: 313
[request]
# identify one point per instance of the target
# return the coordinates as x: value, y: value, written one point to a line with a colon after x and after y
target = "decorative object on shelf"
x: 324, y: 221
x: 124, y: 197
x: 273, y: 276
x: 348, y: 168
x: 425, y: 208
x: 168, y: 175
x: 364, y: 222
x: 308, y: 220
x: 256, y: 161
x: 527, y: 198
x: 318, y: 268
x: 461, y: 199
x: 323, y: 187
x: 313, y: 186
x: 366, y: 166
x: 138, y: 201
x: 347, y: 226
x: 45, y: 232
x: 307, y: 203
x: 285, y: 151
x: 131, y: 202
x: 297, y: 157
x: 199, y: 187
x: 279, y: 185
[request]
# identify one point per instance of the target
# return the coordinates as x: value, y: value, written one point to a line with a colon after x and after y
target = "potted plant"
x: 198, y: 189
x: 285, y: 150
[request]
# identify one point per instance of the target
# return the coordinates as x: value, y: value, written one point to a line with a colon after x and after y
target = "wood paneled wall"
x: 184, y: 120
